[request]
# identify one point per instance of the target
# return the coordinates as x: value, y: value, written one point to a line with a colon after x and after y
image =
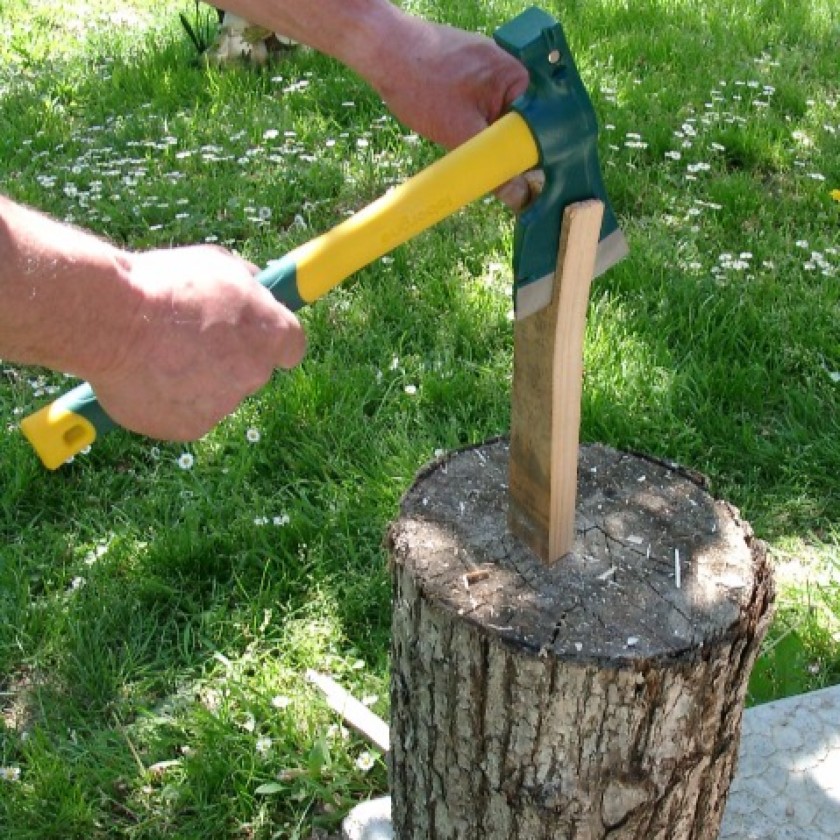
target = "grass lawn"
x: 160, y: 604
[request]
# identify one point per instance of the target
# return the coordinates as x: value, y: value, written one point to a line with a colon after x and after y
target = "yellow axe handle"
x: 491, y: 158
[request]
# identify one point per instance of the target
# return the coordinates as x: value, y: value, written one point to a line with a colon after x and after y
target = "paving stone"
x: 369, y: 821
x: 804, y: 811
x: 787, y: 786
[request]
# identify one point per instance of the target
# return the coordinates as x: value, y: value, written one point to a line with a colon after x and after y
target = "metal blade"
x: 534, y: 296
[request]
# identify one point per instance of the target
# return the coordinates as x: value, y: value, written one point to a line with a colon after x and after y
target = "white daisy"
x: 365, y: 762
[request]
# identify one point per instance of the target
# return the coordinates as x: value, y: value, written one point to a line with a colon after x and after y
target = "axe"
x: 552, y: 125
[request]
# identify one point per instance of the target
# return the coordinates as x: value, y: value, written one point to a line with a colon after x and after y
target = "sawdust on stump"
x: 598, y: 698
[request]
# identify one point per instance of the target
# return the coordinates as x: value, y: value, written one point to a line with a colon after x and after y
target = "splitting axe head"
x: 561, y: 117
x: 552, y: 125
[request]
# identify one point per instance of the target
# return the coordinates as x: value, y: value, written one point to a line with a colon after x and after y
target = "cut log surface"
x: 598, y: 698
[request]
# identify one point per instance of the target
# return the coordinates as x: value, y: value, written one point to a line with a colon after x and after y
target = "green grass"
x: 150, y: 613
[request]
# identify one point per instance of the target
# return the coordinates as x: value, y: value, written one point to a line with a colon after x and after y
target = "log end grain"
x: 658, y: 568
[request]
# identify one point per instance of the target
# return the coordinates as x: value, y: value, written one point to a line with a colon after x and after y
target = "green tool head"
x: 559, y: 112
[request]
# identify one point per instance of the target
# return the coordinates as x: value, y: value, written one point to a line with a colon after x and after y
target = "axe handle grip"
x: 502, y: 151
x: 494, y: 156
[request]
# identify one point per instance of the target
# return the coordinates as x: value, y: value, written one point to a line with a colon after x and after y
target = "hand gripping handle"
x: 75, y: 420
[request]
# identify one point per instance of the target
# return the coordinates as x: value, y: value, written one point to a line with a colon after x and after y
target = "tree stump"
x: 597, y: 698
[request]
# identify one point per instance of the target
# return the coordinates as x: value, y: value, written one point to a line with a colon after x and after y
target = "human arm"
x: 170, y: 340
x: 443, y: 82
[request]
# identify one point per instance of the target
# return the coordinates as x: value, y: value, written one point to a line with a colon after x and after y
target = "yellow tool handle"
x: 491, y: 158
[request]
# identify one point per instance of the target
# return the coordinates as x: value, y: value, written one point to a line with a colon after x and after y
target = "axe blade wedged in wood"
x: 559, y: 112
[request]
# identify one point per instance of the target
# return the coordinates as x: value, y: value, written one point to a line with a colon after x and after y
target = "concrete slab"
x: 787, y: 786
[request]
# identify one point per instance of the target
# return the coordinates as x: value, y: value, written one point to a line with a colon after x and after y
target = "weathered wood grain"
x: 591, y: 699
x: 546, y: 394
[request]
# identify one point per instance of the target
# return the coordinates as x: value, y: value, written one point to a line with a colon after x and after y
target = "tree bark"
x: 598, y: 698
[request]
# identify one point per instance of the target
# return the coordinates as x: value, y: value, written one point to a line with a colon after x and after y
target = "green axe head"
x: 559, y: 113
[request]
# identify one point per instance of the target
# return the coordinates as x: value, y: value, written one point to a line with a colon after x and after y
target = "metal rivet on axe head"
x: 554, y: 57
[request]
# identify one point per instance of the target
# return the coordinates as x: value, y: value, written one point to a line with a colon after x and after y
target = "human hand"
x: 442, y: 82
x: 204, y: 336
x: 448, y: 85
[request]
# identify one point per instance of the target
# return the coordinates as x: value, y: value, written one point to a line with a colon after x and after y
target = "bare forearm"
x: 343, y: 29
x: 65, y: 293
x: 445, y: 83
